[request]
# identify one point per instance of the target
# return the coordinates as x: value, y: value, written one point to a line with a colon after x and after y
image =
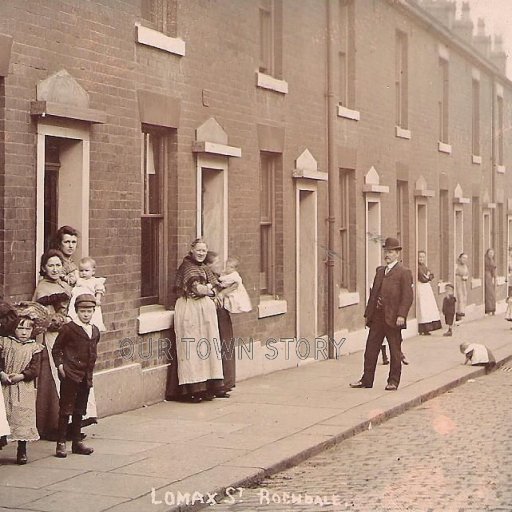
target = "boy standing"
x: 74, y: 354
x: 449, y: 308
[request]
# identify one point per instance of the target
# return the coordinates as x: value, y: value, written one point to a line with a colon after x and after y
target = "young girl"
x: 87, y: 282
x: 236, y: 301
x: 478, y: 355
x: 22, y: 359
x: 508, y: 313
x: 428, y: 314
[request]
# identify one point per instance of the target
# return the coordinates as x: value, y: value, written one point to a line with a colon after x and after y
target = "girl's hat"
x: 35, y: 312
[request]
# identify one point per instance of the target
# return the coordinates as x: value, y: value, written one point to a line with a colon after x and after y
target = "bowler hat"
x: 85, y: 300
x: 392, y: 244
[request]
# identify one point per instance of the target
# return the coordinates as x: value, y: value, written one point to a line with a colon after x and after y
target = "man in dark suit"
x: 390, y: 299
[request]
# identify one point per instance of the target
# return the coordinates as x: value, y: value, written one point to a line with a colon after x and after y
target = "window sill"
x: 500, y: 280
x: 346, y: 298
x: 442, y: 147
x: 272, y: 307
x: 476, y: 159
x: 269, y: 82
x: 155, y: 39
x: 348, y: 113
x: 402, y: 133
x: 154, y: 318
x: 476, y: 283
x: 500, y: 169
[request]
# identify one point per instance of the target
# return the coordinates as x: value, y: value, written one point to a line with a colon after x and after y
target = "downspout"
x: 493, y: 162
x: 331, y: 171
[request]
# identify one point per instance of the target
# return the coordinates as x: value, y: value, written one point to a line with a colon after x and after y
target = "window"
x: 476, y: 117
x: 476, y: 257
x: 444, y: 101
x: 402, y: 218
x: 347, y: 54
x: 348, y: 261
x: 267, y: 239
x: 500, y: 241
x: 500, y: 131
x: 154, y: 164
x: 271, y: 37
x: 161, y: 15
x: 444, y: 235
x: 401, y: 80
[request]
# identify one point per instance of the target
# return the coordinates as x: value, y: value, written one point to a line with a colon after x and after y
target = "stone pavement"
x: 145, y: 457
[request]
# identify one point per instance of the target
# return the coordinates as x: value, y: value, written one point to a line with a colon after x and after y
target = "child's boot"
x: 385, y: 359
x: 60, y: 450
x: 78, y: 446
x: 21, y: 454
x: 448, y: 332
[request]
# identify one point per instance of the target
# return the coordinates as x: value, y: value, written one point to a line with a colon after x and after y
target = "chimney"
x: 481, y: 41
x: 463, y: 26
x: 498, y: 55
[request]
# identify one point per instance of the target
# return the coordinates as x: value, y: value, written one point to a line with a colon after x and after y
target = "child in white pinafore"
x: 21, y: 356
x: 236, y: 301
x: 87, y: 282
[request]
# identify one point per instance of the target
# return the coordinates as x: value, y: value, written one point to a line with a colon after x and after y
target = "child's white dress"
x: 4, y: 426
x: 93, y: 286
x: 508, y: 314
x: 238, y: 301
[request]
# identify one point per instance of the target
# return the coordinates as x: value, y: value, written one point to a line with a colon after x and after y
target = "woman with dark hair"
x: 461, y: 286
x: 199, y: 366
x: 490, y: 283
x: 225, y: 328
x: 53, y: 293
x: 66, y: 241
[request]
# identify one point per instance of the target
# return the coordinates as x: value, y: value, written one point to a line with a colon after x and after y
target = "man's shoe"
x: 60, y: 451
x: 404, y: 359
x: 80, y: 449
x: 391, y: 387
x: 358, y: 384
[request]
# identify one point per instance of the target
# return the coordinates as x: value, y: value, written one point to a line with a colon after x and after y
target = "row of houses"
x: 294, y: 135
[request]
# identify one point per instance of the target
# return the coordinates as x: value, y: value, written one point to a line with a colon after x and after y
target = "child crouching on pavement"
x: 478, y: 355
x: 74, y: 354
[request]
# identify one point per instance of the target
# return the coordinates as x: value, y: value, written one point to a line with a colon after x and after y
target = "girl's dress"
x: 195, y: 319
x: 508, y: 313
x: 4, y: 424
x: 489, y: 282
x: 93, y: 286
x: 428, y: 313
x: 237, y: 301
x: 55, y: 296
x: 20, y: 398
x: 461, y: 290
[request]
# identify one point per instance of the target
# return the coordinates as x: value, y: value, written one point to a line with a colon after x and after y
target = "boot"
x: 448, y: 332
x: 385, y: 359
x: 78, y: 446
x: 60, y: 450
x: 21, y: 454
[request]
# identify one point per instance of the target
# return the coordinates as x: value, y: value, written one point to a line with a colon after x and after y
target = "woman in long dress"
x: 490, y: 283
x: 428, y: 313
x: 225, y: 329
x: 200, y: 374
x: 461, y: 286
x: 53, y: 293
x: 66, y: 241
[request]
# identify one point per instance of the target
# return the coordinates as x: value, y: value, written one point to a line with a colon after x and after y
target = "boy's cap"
x: 449, y: 285
x: 85, y: 300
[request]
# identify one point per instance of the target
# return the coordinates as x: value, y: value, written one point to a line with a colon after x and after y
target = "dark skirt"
x: 174, y: 391
x: 490, y: 293
x: 47, y: 401
x: 227, y: 349
x: 429, y: 326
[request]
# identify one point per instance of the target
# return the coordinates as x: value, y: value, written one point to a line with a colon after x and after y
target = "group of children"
x: 73, y: 354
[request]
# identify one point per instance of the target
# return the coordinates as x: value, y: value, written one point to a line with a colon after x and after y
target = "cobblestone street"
x: 453, y: 453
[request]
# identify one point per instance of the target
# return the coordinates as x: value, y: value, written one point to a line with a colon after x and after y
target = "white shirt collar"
x: 391, y: 265
x: 86, y: 327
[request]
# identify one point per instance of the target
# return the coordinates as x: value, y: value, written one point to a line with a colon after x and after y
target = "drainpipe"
x: 331, y: 171
x: 493, y: 162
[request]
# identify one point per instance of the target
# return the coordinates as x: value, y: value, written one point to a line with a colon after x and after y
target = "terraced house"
x: 293, y: 134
